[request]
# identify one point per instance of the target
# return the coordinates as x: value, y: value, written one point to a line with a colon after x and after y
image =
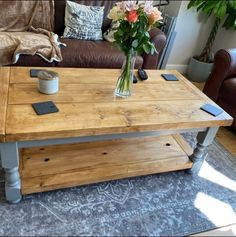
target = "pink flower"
x: 132, y: 16
x: 154, y: 16
x: 127, y: 5
x: 148, y: 6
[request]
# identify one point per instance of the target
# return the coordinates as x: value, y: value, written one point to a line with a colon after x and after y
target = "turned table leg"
x: 10, y: 163
x: 204, y: 139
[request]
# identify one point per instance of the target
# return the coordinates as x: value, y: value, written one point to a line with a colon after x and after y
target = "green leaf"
x: 155, y: 50
x: 191, y: 3
x: 152, y: 50
x: 232, y: 3
x: 201, y: 6
x: 147, y: 34
x: 194, y: 3
x: 230, y: 22
x: 134, y: 34
x: 209, y: 7
x: 152, y: 47
x: 135, y: 43
x: 220, y: 9
x: 146, y: 48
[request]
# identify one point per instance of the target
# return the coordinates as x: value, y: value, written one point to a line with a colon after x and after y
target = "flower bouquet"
x: 133, y: 20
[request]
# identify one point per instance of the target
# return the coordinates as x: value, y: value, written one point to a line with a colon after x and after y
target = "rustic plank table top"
x: 87, y: 105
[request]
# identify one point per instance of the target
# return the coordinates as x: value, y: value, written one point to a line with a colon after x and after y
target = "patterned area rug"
x: 169, y: 204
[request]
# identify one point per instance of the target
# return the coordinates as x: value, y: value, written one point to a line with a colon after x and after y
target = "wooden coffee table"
x: 96, y: 137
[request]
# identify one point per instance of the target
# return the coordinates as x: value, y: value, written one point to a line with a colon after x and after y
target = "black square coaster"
x: 169, y: 77
x: 211, y: 109
x: 45, y: 108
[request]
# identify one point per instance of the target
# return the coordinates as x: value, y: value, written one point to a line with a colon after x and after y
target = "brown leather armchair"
x: 221, y: 84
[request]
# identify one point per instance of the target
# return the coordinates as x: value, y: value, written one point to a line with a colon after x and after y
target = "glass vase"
x: 125, y: 80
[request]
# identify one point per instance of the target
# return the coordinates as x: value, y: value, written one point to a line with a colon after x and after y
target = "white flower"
x: 121, y: 6
x: 116, y: 14
x: 131, y: 5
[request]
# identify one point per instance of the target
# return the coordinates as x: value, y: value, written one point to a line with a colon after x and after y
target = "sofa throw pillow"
x: 83, y: 22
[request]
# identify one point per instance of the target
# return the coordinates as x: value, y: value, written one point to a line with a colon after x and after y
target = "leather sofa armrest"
x: 224, y: 67
x: 159, y: 40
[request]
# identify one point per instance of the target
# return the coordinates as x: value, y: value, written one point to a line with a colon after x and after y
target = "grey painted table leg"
x: 10, y: 163
x: 204, y: 139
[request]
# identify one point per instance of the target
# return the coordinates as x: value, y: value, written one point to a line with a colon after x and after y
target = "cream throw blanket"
x: 26, y: 28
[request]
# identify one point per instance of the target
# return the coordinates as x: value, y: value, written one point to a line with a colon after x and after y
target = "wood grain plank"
x: 62, y: 158
x: 77, y: 164
x: 84, y: 93
x: 103, y: 77
x: 20, y: 75
x: 183, y: 144
x: 194, y: 88
x: 4, y: 84
x: 67, y: 75
x: 82, y: 177
x: 81, y: 119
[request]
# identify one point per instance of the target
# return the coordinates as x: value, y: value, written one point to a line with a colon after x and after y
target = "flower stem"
x: 124, y: 83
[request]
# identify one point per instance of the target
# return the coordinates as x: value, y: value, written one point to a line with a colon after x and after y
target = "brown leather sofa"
x: 221, y: 84
x: 93, y: 54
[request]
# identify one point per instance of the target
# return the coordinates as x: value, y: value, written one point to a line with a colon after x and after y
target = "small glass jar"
x: 48, y: 82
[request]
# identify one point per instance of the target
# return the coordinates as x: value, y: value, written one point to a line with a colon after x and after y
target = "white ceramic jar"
x: 48, y: 82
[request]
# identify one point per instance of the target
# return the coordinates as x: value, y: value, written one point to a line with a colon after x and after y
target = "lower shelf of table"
x: 60, y: 166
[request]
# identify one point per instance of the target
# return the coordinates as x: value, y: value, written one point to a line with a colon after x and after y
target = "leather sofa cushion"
x: 33, y: 61
x: 92, y: 54
x: 228, y: 92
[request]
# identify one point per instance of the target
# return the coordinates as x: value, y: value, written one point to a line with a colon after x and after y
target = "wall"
x: 192, y: 32
x: 173, y: 8
x: 225, y: 39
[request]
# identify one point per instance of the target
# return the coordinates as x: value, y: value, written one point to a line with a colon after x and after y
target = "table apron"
x: 93, y: 138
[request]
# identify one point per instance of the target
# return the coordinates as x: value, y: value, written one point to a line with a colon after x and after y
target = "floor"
x: 227, y: 138
x: 224, y: 231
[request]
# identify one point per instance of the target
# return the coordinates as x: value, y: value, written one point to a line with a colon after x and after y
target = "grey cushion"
x: 83, y: 22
